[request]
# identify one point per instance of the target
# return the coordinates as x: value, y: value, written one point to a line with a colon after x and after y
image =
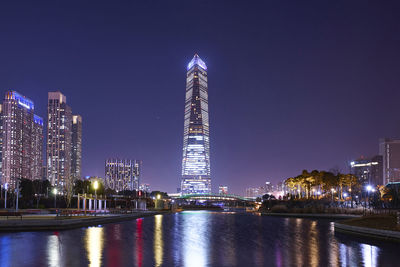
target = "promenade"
x: 53, y: 222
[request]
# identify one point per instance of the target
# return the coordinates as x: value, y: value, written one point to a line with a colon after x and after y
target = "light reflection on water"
x: 158, y: 240
x: 53, y: 250
x: 197, y: 238
x: 94, y: 245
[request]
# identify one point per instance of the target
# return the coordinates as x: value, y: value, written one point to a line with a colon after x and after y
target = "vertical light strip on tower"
x: 196, y: 177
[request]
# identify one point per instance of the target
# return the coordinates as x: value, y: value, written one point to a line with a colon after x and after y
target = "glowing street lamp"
x: 5, y: 200
x: 345, y: 195
x: 158, y: 196
x: 55, y: 197
x: 95, y: 186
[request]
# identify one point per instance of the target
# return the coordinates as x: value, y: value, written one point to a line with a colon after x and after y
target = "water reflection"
x: 313, y: 244
x: 370, y: 255
x: 198, y: 238
x: 158, y: 240
x: 139, y: 243
x: 94, y: 245
x: 195, y: 238
x: 54, y: 250
x: 5, y: 251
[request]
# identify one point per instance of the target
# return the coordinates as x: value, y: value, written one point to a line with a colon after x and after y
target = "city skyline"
x: 302, y: 88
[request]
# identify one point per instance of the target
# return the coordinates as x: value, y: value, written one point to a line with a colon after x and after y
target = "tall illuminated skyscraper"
x: 21, y: 139
x: 76, y: 146
x: 196, y: 177
x: 58, y: 140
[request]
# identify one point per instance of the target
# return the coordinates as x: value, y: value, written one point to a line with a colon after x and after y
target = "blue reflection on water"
x: 5, y: 251
x: 195, y: 238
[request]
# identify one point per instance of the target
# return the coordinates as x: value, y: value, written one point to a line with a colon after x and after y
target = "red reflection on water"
x: 114, y: 250
x: 139, y: 243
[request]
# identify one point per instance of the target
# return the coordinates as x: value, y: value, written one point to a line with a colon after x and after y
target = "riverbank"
x: 45, y: 223
x: 312, y: 215
x: 380, y: 227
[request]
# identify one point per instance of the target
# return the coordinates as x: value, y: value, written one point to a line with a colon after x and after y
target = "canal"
x: 198, y: 238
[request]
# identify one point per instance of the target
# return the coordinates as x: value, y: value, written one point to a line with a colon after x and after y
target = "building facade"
x: 223, y: 189
x: 37, y: 147
x: 121, y: 175
x: 21, y: 151
x: 389, y: 149
x: 368, y: 171
x: 76, y: 160
x: 58, y: 140
x: 196, y: 174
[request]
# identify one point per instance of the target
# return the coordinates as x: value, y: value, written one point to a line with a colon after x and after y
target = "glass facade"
x: 196, y: 177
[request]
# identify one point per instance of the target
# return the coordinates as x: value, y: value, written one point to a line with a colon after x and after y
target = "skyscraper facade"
x: 122, y: 174
x: 196, y: 176
x: 37, y: 147
x: 76, y: 146
x: 58, y: 140
x: 389, y: 149
x: 21, y: 153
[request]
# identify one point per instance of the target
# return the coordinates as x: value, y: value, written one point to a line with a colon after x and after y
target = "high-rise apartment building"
x: 389, y: 149
x: 76, y: 146
x: 37, y: 147
x: 58, y: 139
x: 22, y: 132
x: 1, y: 143
x: 196, y: 176
x: 369, y: 171
x: 123, y: 174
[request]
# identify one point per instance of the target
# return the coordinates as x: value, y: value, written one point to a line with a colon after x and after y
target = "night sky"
x: 292, y: 84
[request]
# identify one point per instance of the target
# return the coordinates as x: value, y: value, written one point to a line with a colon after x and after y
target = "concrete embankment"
x: 63, y: 223
x: 312, y: 215
x: 367, y: 232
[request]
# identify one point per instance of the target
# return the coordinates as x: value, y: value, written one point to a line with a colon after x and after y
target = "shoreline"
x: 367, y: 232
x: 17, y: 225
x: 312, y: 215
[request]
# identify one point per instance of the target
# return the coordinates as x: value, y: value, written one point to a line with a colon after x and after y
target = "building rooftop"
x: 197, y: 61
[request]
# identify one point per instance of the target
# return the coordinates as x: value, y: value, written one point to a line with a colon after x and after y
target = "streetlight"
x: 369, y: 189
x: 5, y: 200
x: 332, y: 190
x: 158, y: 196
x: 55, y: 197
x: 95, y: 186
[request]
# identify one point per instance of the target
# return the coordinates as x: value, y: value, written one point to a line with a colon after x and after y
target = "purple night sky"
x: 292, y: 85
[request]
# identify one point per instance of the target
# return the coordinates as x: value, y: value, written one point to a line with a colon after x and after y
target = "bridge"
x: 214, y: 197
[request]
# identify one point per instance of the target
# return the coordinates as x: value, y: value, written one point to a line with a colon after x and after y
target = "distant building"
x: 76, y: 140
x: 145, y: 188
x: 223, y: 190
x: 196, y: 177
x: 122, y: 175
x: 368, y: 171
x: 389, y: 149
x: 58, y: 140
x: 268, y: 188
x: 254, y: 192
x: 21, y: 139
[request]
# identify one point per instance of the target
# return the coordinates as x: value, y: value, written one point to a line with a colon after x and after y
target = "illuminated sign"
x: 22, y: 101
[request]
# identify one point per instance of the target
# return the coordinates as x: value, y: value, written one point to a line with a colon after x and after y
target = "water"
x: 198, y: 238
